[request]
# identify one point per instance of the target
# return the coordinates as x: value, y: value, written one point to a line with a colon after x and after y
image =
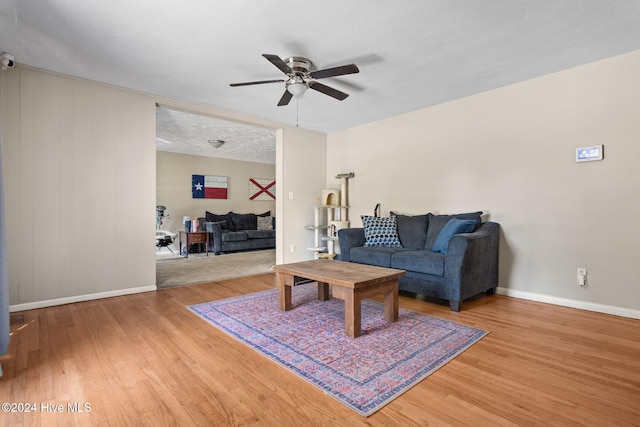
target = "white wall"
x: 79, y: 163
x: 511, y: 153
x: 301, y: 170
x: 173, y: 178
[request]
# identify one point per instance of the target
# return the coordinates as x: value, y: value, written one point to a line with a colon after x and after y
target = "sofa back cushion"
x: 437, y: 223
x: 412, y: 230
x: 244, y: 221
x: 224, y: 220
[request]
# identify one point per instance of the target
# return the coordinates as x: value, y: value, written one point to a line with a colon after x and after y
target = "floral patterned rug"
x: 364, y: 373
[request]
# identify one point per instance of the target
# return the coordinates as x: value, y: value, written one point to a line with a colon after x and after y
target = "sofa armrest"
x: 471, y: 261
x: 349, y: 238
x: 215, y: 236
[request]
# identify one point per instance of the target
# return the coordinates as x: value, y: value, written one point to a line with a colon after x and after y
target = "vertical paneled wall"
x: 79, y: 161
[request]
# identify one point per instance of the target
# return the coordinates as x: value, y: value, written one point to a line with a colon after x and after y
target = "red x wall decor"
x: 262, y: 189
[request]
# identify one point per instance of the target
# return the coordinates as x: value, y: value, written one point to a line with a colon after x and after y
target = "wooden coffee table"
x: 349, y: 282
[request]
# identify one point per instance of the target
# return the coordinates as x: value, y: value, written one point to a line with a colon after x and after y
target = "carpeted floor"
x: 172, y: 271
x: 364, y: 373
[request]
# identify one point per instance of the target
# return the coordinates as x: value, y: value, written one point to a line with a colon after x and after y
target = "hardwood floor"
x: 145, y: 360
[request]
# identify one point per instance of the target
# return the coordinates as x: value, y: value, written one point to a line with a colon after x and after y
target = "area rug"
x: 364, y: 373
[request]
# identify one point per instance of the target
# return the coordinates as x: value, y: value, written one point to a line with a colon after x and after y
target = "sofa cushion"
x: 380, y: 256
x: 412, y: 230
x: 260, y: 234
x: 452, y: 227
x: 208, y: 225
x: 437, y: 223
x: 380, y: 231
x: 234, y: 236
x: 244, y: 221
x: 421, y: 261
x: 224, y: 220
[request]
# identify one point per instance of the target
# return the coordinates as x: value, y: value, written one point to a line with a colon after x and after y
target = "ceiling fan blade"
x: 335, y: 71
x: 256, y: 83
x: 275, y: 60
x: 286, y: 97
x: 335, y: 93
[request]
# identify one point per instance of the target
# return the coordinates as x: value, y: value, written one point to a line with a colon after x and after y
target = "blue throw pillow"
x: 379, y: 231
x: 437, y: 223
x: 451, y: 228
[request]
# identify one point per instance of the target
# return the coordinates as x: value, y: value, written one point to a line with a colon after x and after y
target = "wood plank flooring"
x: 145, y: 360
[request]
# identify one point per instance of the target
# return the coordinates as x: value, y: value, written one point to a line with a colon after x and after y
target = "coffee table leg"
x: 391, y: 303
x: 284, y: 292
x: 352, y: 314
x: 323, y: 291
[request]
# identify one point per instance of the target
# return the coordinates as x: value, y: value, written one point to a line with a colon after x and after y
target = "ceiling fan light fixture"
x: 216, y: 143
x: 297, y: 87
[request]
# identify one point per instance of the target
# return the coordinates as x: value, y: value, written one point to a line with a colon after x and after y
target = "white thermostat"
x: 589, y: 154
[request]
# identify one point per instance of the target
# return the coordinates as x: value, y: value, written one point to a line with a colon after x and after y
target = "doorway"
x: 191, y: 143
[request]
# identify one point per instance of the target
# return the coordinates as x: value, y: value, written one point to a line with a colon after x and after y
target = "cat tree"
x: 331, y: 216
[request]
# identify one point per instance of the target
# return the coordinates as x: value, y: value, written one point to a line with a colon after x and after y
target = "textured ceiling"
x: 181, y: 132
x: 411, y: 53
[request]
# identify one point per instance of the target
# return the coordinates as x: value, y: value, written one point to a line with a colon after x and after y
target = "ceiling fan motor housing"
x: 299, y: 65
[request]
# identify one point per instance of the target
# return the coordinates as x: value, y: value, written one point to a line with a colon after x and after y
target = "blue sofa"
x: 232, y: 232
x: 451, y: 257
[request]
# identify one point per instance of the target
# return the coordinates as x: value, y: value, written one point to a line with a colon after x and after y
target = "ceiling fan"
x: 301, y: 76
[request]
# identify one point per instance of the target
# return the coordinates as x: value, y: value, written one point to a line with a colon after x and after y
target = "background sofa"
x: 232, y: 232
x: 460, y: 263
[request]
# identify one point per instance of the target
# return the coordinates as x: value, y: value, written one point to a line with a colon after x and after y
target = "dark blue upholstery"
x: 437, y: 223
x: 469, y: 266
x: 374, y: 255
x: 421, y: 261
x: 234, y: 236
x: 412, y: 230
x: 223, y: 240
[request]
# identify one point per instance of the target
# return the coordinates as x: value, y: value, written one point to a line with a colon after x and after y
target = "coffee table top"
x: 340, y: 273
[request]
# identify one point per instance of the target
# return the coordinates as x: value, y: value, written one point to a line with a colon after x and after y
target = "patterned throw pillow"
x: 265, y: 223
x: 381, y: 231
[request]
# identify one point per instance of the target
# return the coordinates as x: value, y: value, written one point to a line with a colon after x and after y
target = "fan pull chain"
x: 297, y: 109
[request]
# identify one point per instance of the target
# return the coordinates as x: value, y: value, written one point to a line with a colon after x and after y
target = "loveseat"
x: 451, y: 257
x: 233, y: 232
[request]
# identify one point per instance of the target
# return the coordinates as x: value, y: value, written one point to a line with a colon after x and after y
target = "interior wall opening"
x: 189, y: 145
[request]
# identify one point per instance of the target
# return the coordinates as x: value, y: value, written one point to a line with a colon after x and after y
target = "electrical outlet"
x: 293, y: 248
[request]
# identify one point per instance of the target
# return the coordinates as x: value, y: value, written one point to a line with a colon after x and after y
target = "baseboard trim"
x: 80, y: 298
x: 582, y: 305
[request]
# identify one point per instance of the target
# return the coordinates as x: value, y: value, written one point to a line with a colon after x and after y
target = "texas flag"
x: 209, y: 187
